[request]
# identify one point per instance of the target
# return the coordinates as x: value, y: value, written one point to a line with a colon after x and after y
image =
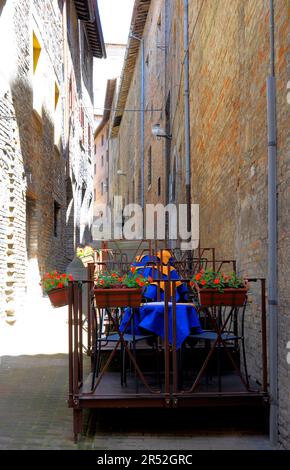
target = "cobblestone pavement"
x: 34, y: 413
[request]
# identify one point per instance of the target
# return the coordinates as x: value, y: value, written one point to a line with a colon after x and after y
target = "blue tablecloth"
x: 150, y: 317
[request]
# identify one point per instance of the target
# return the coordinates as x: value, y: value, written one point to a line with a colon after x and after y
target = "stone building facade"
x: 229, y: 65
x: 46, y: 138
x: 102, y: 150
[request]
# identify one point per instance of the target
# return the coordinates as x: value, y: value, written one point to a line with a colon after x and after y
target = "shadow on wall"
x: 46, y: 227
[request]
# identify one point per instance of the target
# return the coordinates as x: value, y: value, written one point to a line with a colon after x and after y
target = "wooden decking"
x: 110, y: 393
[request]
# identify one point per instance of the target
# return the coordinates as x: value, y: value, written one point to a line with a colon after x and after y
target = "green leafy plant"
x: 114, y: 279
x: 208, y: 279
x: 55, y: 280
x: 86, y: 251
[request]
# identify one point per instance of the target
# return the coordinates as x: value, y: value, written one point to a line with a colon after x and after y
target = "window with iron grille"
x: 56, y: 218
x: 159, y: 186
x: 149, y: 166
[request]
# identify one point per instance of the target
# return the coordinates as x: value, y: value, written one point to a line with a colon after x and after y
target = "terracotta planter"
x: 58, y: 297
x: 230, y: 297
x: 128, y: 297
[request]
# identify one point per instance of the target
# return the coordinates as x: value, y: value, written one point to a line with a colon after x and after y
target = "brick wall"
x: 46, y: 183
x: 229, y: 64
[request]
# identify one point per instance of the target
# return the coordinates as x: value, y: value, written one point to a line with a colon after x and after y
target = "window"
x: 94, y: 194
x: 82, y: 122
x: 89, y: 139
x: 107, y: 184
x: 149, y: 167
x: 102, y: 188
x: 107, y: 155
x: 95, y: 148
x: 56, y: 95
x: 36, y: 53
x: 159, y: 186
x: 95, y: 169
x: 102, y: 140
x: 83, y: 192
x: 37, y: 76
x: 56, y: 218
x: 159, y: 22
x: 107, y: 133
x: 70, y: 95
x: 133, y: 190
x: 147, y: 60
x: 102, y: 160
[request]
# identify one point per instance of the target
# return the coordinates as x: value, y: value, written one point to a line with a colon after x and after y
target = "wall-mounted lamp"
x: 121, y: 173
x: 27, y: 174
x: 158, y: 132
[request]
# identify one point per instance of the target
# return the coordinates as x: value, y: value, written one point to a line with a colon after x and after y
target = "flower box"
x: 229, y: 297
x: 118, y: 297
x: 58, y: 297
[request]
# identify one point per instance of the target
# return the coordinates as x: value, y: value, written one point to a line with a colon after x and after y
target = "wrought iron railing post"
x: 166, y: 341
x: 70, y: 341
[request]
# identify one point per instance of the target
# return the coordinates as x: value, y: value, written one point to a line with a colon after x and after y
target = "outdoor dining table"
x: 150, y: 317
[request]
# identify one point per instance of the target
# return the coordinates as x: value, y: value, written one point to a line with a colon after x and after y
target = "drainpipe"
x: 272, y: 236
x: 187, y: 122
x: 187, y: 116
x: 142, y: 122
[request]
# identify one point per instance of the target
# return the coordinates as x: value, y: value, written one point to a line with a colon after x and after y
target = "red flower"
x: 120, y: 279
x: 102, y: 282
x: 216, y: 281
x: 70, y: 277
x: 133, y: 269
x: 198, y: 276
x: 203, y: 282
x: 141, y: 284
x: 60, y: 285
x: 63, y: 275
